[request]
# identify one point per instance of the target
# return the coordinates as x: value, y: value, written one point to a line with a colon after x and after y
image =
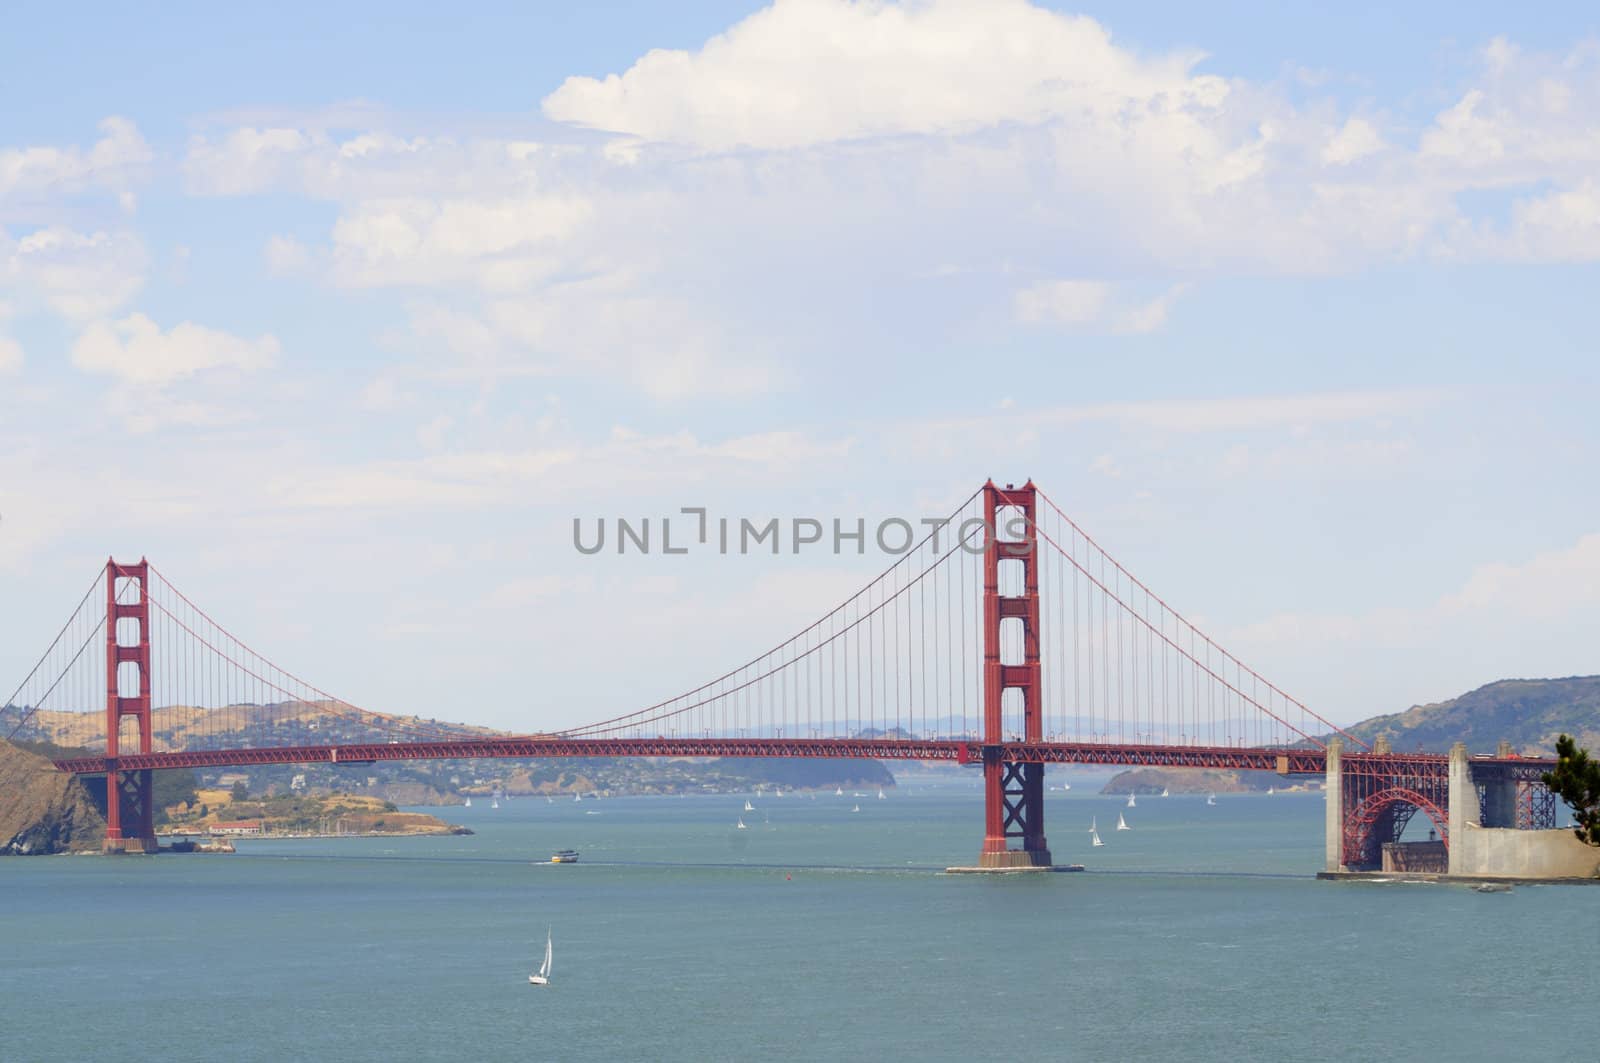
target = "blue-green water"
x: 818, y: 933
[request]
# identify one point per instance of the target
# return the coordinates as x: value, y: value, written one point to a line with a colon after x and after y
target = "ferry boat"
x: 565, y: 856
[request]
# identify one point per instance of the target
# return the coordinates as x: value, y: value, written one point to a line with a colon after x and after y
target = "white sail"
x: 1211, y: 800
x: 577, y: 797
x: 542, y: 975
x: 1164, y: 792
x: 1092, y: 821
x: 494, y: 804
x: 880, y: 793
x: 855, y: 808
x: 838, y: 791
x: 1122, y: 824
x: 1269, y: 791
x: 741, y: 824
x: 1096, y: 836
x: 469, y: 802
x: 748, y: 807
x: 1131, y: 802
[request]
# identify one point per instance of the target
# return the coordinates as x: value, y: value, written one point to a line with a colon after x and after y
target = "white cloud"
x: 501, y: 245
x: 805, y: 72
x: 79, y: 275
x: 1552, y: 584
x: 135, y: 350
x: 111, y: 162
x: 1355, y: 140
x: 1071, y: 302
x: 10, y: 354
x: 1091, y: 303
x: 1492, y: 602
x: 246, y: 160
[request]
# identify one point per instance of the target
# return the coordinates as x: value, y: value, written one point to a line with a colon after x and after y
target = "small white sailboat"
x: 1122, y: 824
x: 777, y: 791
x: 542, y: 975
x: 549, y: 800
x: 855, y: 808
x: 1092, y: 820
x: 1211, y: 800
x: 880, y: 794
x: 1164, y: 792
x: 469, y: 802
x: 1131, y: 802
x: 741, y: 825
x: 1096, y: 836
x: 1269, y: 791
x: 838, y: 791
x: 577, y: 797
x: 748, y: 807
x: 494, y: 804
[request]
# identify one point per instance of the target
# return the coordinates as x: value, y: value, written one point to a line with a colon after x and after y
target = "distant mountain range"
x: 1528, y: 713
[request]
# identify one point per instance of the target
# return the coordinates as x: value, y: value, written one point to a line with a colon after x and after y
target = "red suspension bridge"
x: 1007, y: 638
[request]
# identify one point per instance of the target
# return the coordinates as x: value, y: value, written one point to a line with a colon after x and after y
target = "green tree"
x: 240, y: 791
x: 1576, y: 781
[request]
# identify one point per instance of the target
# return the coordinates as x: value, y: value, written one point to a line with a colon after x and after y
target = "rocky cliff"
x: 42, y: 810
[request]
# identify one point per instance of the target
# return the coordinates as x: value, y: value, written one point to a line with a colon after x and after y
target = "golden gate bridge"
x: 1006, y: 638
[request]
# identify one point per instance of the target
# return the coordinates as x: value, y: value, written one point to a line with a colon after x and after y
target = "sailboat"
x: 838, y: 791
x: 469, y: 802
x: 1269, y: 791
x: 880, y: 794
x: 1211, y: 800
x: 741, y: 825
x: 1164, y: 792
x: 542, y: 975
x: 855, y: 808
x: 748, y: 807
x: 1122, y: 824
x: 1092, y: 820
x: 1096, y: 836
x: 494, y: 804
x: 1131, y: 802
x: 577, y: 797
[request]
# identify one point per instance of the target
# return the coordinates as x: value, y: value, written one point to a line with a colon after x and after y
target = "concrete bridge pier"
x: 1333, y: 793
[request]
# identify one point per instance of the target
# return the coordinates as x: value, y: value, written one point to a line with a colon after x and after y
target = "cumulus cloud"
x: 111, y: 162
x: 79, y: 275
x: 1355, y: 140
x: 805, y: 72
x: 830, y: 147
x: 137, y: 351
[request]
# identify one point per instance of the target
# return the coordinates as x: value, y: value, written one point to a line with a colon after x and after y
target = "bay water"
x: 818, y: 932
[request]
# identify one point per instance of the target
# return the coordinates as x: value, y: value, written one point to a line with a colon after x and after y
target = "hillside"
x: 438, y: 782
x: 42, y: 810
x: 1528, y: 713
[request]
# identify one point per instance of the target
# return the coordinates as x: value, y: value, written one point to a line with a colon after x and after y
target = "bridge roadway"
x: 1293, y: 761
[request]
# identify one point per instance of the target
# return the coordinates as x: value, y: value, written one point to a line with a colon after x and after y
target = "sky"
x: 342, y: 314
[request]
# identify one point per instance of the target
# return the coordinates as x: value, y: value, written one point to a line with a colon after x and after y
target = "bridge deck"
x: 962, y: 751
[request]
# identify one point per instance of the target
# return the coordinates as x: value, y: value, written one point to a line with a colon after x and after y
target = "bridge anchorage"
x: 1006, y: 639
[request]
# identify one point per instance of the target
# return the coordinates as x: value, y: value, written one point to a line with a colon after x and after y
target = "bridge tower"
x: 1013, y: 793
x: 130, y: 796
